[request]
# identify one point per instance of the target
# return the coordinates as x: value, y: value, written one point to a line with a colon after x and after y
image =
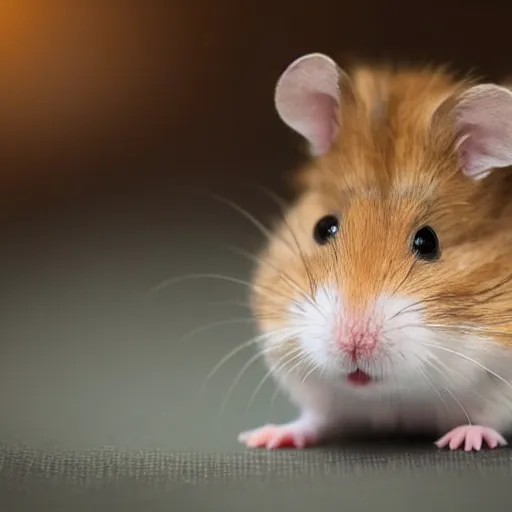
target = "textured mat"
x: 354, y: 479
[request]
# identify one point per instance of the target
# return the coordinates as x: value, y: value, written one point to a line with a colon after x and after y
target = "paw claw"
x: 471, y: 437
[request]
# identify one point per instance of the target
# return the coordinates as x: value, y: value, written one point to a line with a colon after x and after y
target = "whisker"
x: 249, y: 320
x: 471, y: 360
x: 333, y: 271
x: 277, y: 390
x: 281, y: 205
x: 212, y: 325
x: 406, y: 309
x: 237, y: 303
x: 495, y: 286
x: 446, y: 328
x: 242, y: 211
x: 408, y: 273
x: 442, y: 327
x: 189, y: 277
x: 478, y: 297
x: 429, y: 381
x: 283, y: 275
x: 252, y: 286
x: 253, y: 341
x: 334, y: 248
x: 304, y: 360
x: 451, y: 374
x: 233, y: 385
x: 313, y: 369
x: 278, y: 387
x: 239, y: 375
x: 460, y: 405
x: 275, y: 368
x: 262, y: 228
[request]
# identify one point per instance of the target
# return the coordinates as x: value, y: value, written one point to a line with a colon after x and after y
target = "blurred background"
x: 115, y: 118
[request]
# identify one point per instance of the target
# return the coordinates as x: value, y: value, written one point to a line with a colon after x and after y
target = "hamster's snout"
x: 383, y: 338
x: 357, y: 339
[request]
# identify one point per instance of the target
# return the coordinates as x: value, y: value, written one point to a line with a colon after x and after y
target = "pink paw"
x: 291, y: 435
x: 471, y: 437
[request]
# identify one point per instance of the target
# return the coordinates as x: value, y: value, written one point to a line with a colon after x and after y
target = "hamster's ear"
x: 483, y: 124
x: 307, y: 99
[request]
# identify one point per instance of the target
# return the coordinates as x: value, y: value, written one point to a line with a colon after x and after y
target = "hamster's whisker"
x: 280, y: 365
x: 238, y: 303
x: 334, y: 273
x: 281, y: 204
x: 278, y: 387
x: 190, y: 277
x: 454, y: 375
x: 416, y: 306
x: 247, y: 344
x: 264, y: 230
x: 236, y: 380
x: 459, y: 404
x: 448, y: 374
x: 283, y: 275
x: 313, y: 369
x: 304, y: 360
x: 278, y: 200
x: 402, y: 281
x: 428, y: 380
x: 406, y: 309
x: 466, y: 328
x: 231, y: 321
x: 274, y: 396
x: 253, y: 341
x: 493, y: 287
x: 240, y: 374
x: 461, y: 328
x: 299, y: 359
x: 469, y: 359
x: 255, y: 316
x: 212, y: 325
x: 486, y: 330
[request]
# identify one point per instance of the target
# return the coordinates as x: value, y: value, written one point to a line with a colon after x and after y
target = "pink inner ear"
x: 473, y: 156
x: 316, y: 121
x: 484, y: 124
x: 307, y: 100
x: 482, y: 150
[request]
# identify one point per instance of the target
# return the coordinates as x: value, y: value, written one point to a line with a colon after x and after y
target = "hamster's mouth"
x: 359, y: 378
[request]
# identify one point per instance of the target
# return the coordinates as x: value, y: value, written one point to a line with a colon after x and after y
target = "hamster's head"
x: 378, y: 274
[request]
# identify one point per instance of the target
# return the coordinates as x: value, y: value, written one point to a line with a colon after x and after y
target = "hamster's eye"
x: 425, y: 244
x: 326, y: 228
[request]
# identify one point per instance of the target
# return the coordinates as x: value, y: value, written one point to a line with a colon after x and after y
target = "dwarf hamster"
x: 384, y: 296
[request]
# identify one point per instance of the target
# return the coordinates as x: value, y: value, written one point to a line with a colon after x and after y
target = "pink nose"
x: 358, y: 342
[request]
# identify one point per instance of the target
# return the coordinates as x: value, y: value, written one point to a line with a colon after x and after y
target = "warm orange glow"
x: 17, y: 22
x: 68, y: 67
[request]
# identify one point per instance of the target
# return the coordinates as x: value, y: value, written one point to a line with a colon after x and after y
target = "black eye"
x: 426, y: 244
x: 326, y: 228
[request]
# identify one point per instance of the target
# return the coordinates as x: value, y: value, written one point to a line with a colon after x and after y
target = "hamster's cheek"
x: 315, y: 322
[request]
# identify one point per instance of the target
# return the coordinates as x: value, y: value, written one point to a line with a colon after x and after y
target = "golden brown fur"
x: 392, y: 169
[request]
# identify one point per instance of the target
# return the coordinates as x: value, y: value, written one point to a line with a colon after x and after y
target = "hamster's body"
x: 385, y: 295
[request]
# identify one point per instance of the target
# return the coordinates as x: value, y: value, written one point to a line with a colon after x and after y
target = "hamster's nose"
x: 358, y: 341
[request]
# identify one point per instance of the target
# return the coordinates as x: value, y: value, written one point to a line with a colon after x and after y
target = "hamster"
x: 384, y: 296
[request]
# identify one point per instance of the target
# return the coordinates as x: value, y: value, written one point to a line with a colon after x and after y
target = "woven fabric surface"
x: 394, y: 478
x: 90, y: 467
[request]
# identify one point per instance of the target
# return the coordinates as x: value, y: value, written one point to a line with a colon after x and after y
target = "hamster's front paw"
x: 296, y: 434
x: 471, y: 437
